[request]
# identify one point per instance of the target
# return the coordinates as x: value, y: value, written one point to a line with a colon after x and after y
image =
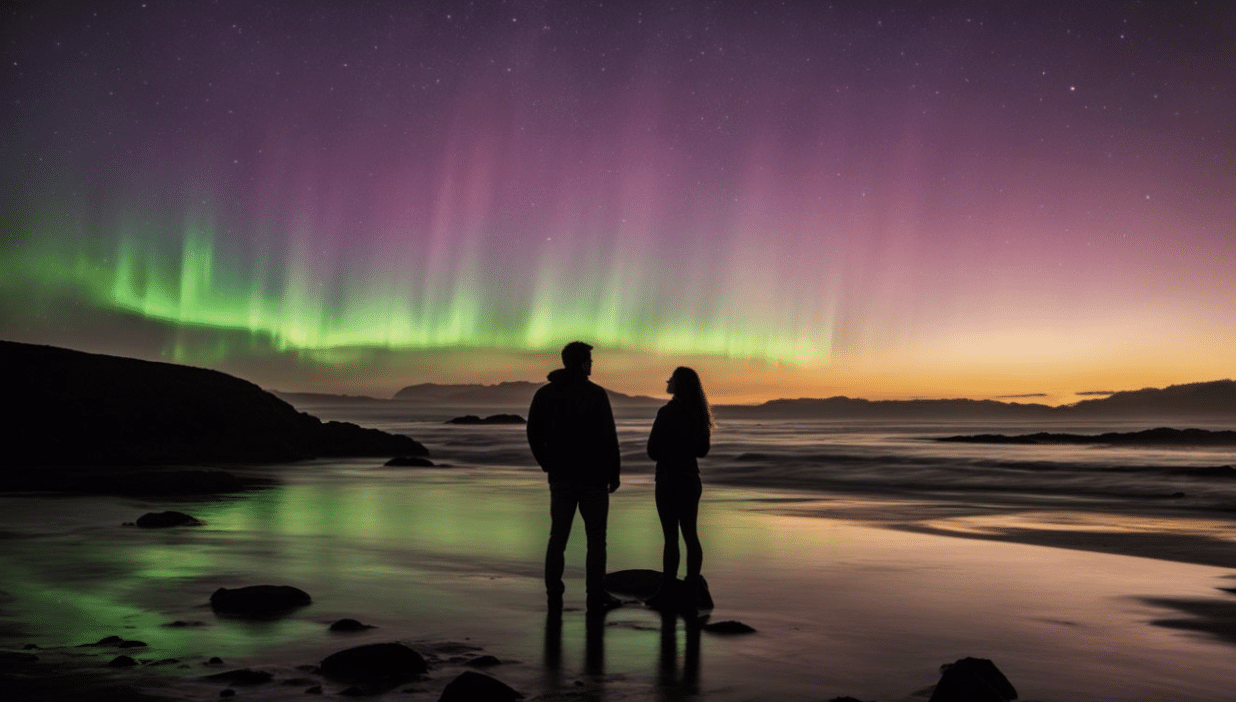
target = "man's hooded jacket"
x: 571, y: 430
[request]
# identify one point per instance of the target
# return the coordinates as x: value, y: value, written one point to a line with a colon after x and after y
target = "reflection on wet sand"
x: 457, y: 556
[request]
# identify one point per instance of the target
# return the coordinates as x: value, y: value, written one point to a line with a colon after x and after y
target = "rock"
x: 132, y: 644
x: 349, y: 625
x: 387, y: 662
x: 471, y: 686
x: 122, y: 662
x: 258, y: 600
x: 214, y: 660
x: 639, y: 582
x: 105, y: 641
x: 728, y: 626
x: 170, y: 518
x: 243, y: 676
x: 491, y: 419
x: 972, y: 680
x: 409, y: 462
x: 483, y: 662
x: 227, y: 693
x: 646, y: 585
x: 315, y: 690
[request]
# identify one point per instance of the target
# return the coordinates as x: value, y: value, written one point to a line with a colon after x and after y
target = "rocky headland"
x: 74, y: 414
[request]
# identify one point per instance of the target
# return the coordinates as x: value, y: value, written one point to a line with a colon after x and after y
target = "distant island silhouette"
x: 1161, y: 436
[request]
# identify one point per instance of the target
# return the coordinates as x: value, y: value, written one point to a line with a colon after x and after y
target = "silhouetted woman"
x: 681, y: 434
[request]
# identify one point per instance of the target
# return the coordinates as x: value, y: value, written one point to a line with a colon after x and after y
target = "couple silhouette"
x: 572, y: 435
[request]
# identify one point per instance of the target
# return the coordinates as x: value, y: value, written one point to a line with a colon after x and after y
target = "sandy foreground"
x: 854, y: 595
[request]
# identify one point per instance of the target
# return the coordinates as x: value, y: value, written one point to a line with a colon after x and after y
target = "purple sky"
x: 801, y: 198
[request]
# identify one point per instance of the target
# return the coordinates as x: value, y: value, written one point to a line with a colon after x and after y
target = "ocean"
x: 865, y: 555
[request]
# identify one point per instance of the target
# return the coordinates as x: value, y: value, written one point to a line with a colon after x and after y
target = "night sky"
x: 897, y: 199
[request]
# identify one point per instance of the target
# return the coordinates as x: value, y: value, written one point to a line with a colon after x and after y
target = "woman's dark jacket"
x: 677, y: 440
x: 571, y: 430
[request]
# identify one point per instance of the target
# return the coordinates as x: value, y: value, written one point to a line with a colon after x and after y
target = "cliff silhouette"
x: 71, y: 409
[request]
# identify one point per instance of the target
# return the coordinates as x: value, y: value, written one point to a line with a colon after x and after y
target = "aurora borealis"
x: 800, y: 199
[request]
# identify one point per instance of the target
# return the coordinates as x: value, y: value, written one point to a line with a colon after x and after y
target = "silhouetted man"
x: 572, y: 435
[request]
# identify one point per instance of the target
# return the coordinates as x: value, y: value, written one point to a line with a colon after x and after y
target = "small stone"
x: 243, y: 676
x: 163, y: 520
x: 122, y: 662
x: 215, y: 660
x: 349, y: 625
x: 227, y: 693
x: 315, y: 690
x: 728, y: 626
x: 483, y: 662
x: 471, y: 686
x: 380, y: 661
x: 132, y: 644
x: 410, y: 462
x: 972, y: 680
x: 259, y: 600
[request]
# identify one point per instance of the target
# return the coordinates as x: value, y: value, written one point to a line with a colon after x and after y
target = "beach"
x: 859, y: 590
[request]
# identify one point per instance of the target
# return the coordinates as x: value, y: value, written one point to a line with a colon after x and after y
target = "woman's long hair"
x: 690, y: 392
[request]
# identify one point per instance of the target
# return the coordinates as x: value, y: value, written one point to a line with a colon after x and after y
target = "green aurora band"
x: 331, y: 313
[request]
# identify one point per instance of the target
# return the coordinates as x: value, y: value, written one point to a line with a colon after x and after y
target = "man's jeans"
x: 593, y: 504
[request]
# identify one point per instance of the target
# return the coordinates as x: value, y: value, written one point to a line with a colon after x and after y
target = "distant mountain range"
x: 1215, y: 400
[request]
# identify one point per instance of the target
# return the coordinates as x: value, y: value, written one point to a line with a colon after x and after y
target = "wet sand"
x: 850, y: 594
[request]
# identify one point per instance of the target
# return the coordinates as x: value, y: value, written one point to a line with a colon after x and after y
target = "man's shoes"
x: 604, y: 602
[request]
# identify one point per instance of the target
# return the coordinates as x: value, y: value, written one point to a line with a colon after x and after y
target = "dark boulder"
x: 244, y: 676
x: 170, y: 518
x: 380, y: 662
x: 483, y: 662
x: 258, y: 600
x: 471, y: 686
x: 728, y: 626
x: 349, y: 625
x: 972, y: 680
x: 409, y: 462
x: 646, y: 585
